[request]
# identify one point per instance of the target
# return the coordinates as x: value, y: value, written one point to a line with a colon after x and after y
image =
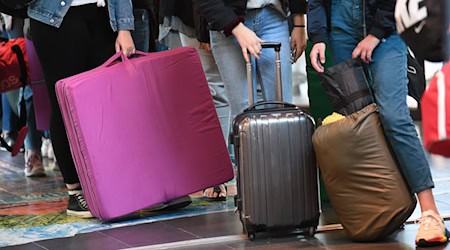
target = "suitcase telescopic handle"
x: 277, y: 47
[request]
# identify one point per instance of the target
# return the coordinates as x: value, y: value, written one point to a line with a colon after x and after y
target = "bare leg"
x: 72, y: 186
x: 426, y: 201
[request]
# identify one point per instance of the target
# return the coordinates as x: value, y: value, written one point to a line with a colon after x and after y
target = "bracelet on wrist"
x: 299, y: 26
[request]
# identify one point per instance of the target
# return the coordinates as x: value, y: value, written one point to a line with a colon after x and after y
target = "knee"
x: 393, y: 119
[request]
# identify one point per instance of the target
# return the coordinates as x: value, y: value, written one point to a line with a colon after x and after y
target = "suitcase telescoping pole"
x: 276, y: 46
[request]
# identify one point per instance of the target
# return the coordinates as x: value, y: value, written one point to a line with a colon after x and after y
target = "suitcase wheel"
x: 251, y: 236
x: 310, y: 231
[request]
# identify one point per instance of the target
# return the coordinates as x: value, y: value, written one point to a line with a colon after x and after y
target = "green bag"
x: 320, y: 106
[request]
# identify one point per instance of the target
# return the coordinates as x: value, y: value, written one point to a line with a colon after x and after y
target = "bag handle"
x: 345, y: 100
x: 122, y: 57
x: 280, y: 104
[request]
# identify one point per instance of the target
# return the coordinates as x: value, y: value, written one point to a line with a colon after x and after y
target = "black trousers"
x: 84, y: 41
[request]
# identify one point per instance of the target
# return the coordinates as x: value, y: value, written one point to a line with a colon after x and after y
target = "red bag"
x: 14, y: 69
x: 436, y: 113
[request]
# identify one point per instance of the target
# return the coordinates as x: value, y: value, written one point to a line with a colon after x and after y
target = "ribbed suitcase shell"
x: 277, y: 174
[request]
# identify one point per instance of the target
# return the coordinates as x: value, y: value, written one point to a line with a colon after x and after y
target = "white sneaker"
x: 432, y: 230
x: 50, y: 152
x: 33, y: 164
x: 53, y: 165
x: 44, y: 147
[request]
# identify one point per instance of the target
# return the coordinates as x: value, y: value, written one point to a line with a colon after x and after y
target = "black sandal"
x: 217, y: 191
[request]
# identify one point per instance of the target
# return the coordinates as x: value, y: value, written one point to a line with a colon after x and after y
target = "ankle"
x: 32, y: 151
x: 73, y: 186
x: 434, y: 210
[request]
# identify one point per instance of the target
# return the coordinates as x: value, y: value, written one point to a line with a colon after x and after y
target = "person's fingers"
x: 255, y: 52
x: 322, y: 56
x: 128, y: 49
x: 315, y: 61
x: 369, y: 56
x: 313, y: 57
x: 245, y: 54
x: 131, y: 51
x: 356, y: 52
x: 363, y: 56
x: 300, y: 50
x: 117, y: 47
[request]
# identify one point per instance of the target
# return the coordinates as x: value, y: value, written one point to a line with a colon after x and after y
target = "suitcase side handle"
x: 279, y: 104
x: 277, y: 47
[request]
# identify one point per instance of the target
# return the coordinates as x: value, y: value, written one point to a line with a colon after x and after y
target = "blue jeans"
x: 215, y: 84
x: 270, y: 26
x: 33, y: 140
x: 9, y: 118
x: 141, y: 32
x: 389, y: 83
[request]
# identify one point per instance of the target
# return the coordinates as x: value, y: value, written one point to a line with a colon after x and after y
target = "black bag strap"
x: 23, y: 66
x: 345, y: 100
x: 5, y: 144
x: 23, y: 79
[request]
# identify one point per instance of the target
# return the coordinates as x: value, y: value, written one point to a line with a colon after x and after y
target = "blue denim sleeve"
x: 317, y: 21
x: 121, y: 14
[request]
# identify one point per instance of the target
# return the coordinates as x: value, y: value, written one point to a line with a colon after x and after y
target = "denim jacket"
x: 379, y: 18
x: 52, y: 12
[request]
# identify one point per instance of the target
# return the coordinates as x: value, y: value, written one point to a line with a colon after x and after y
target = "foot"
x: 33, y: 164
x: 217, y: 193
x: 53, y: 165
x: 44, y: 147
x: 77, y: 204
x: 9, y: 139
x: 50, y: 152
x: 432, y: 230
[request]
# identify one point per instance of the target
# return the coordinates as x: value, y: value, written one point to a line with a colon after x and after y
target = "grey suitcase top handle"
x: 279, y: 104
x: 276, y: 46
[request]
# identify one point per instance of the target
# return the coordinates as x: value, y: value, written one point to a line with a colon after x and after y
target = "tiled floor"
x: 223, y: 230
x: 215, y: 231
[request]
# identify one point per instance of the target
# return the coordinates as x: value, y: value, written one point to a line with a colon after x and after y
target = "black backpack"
x: 423, y: 25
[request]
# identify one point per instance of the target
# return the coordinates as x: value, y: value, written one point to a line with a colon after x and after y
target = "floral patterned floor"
x: 33, y: 209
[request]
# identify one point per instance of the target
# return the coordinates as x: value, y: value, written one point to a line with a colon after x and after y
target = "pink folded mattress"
x: 143, y: 131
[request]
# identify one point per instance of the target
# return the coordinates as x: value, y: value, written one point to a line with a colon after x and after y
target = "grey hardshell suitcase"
x: 277, y: 185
